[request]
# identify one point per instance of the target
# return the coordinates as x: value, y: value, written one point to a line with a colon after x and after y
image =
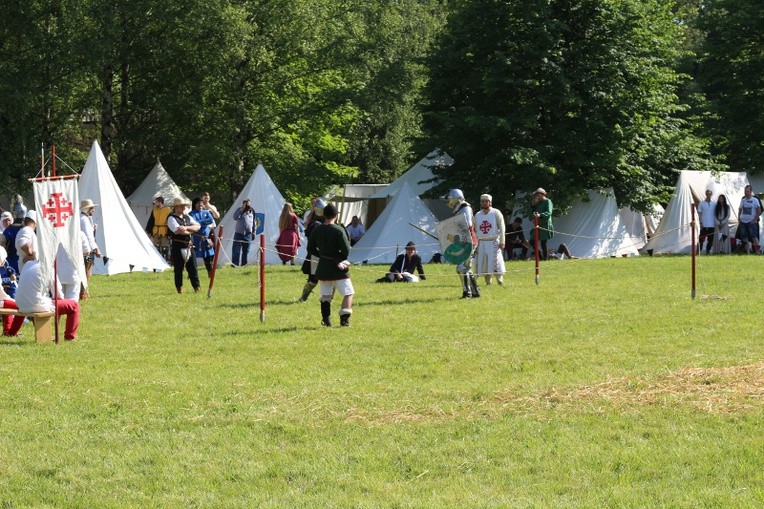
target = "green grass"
x: 604, y: 386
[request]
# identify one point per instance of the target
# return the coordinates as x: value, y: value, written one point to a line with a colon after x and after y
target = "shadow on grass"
x: 15, y: 342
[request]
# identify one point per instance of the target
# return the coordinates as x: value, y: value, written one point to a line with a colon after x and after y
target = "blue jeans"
x: 240, y: 248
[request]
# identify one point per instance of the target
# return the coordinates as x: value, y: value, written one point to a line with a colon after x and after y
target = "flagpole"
x: 55, y: 260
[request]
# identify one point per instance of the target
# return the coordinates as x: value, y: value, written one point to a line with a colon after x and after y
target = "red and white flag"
x: 58, y: 213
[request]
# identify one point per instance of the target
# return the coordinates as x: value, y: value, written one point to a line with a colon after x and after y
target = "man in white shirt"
x: 355, y: 230
x: 32, y: 296
x: 90, y: 249
x: 706, y: 210
x: 490, y: 231
x: 26, y: 240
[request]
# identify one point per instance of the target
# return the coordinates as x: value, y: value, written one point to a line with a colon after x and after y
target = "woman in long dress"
x: 289, y: 238
x: 721, y: 225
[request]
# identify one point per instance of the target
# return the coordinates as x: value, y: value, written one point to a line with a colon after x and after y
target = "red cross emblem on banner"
x: 57, y: 209
x: 485, y: 227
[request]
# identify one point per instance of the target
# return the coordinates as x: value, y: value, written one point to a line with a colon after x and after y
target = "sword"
x: 424, y: 231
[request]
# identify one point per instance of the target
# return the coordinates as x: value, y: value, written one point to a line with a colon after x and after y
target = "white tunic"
x: 489, y: 228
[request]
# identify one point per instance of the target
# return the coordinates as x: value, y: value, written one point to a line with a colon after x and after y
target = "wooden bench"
x: 43, y: 329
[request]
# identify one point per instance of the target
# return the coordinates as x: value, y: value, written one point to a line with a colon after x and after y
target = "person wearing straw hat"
x: 90, y: 249
x: 542, y: 209
x: 490, y: 231
x: 182, y: 227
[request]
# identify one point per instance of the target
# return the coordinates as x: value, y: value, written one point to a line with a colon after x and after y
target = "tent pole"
x: 692, y: 245
x: 262, y: 277
x: 536, y: 245
x: 215, y: 261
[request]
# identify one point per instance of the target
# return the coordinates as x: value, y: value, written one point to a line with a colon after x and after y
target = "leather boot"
x: 326, y: 313
x: 180, y: 289
x: 306, y: 290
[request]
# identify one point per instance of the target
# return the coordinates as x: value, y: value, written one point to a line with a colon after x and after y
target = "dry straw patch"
x: 713, y: 390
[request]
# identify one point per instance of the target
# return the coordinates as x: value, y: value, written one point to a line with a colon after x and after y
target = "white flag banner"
x: 58, y: 212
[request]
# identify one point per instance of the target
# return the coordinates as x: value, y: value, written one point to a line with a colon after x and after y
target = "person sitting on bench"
x: 11, y: 324
x: 32, y: 296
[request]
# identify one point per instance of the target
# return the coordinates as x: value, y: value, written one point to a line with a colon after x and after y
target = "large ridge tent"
x: 641, y: 226
x: 390, y: 233
x: 593, y: 228
x: 121, y: 239
x: 157, y: 183
x: 674, y: 234
x: 266, y: 199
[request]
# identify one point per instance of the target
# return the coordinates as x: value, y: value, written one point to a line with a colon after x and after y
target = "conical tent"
x: 674, y: 234
x: 420, y: 176
x: 122, y: 240
x: 266, y: 199
x: 157, y: 183
x: 390, y: 233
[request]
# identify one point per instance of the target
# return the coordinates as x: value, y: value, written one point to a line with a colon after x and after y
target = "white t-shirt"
x: 706, y: 213
x: 748, y: 208
x: 25, y: 237
x: 32, y: 293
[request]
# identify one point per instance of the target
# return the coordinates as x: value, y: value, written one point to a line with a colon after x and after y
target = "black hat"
x: 411, y: 244
x: 330, y: 211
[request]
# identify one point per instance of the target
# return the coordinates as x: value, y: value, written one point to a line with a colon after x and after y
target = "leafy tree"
x: 570, y: 95
x: 732, y: 76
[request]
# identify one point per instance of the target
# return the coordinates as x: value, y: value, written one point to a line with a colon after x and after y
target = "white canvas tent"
x: 120, y: 237
x: 641, y: 226
x: 420, y: 176
x: 593, y: 229
x: 266, y: 199
x: 390, y: 233
x: 354, y: 201
x: 674, y: 234
x: 157, y: 183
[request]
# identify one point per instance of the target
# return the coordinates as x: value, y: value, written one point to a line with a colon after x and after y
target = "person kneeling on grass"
x: 33, y: 296
x: 402, y: 269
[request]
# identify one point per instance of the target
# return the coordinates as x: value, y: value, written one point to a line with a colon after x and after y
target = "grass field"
x: 604, y: 386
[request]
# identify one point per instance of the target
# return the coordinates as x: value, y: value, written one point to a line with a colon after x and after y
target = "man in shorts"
x: 748, y: 217
x: 329, y: 243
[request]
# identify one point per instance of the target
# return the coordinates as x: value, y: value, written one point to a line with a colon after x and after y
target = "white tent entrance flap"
x: 390, y: 233
x: 122, y: 240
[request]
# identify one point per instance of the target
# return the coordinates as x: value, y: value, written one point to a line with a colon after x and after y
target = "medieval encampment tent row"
x: 395, y: 214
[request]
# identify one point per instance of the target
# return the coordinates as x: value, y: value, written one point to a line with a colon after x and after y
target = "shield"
x: 455, y: 239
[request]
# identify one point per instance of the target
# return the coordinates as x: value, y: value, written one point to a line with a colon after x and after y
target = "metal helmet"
x: 454, y: 197
x: 319, y: 207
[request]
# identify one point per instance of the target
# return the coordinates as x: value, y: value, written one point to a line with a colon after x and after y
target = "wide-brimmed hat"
x: 540, y: 190
x: 87, y: 203
x: 31, y: 214
x: 179, y: 201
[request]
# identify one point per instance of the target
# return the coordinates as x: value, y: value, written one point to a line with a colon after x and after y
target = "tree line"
x: 569, y: 95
